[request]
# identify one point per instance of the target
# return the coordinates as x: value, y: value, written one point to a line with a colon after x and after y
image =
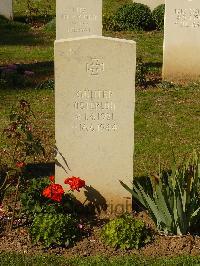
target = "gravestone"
x: 6, y: 8
x: 150, y: 3
x: 95, y: 95
x: 77, y: 18
x: 181, y: 55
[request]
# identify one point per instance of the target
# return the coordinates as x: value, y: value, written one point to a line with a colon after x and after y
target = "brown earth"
x: 90, y: 245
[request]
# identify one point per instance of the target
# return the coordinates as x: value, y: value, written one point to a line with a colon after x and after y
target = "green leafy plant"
x: 33, y: 202
x: 21, y: 145
x: 125, y: 232
x: 174, y: 203
x: 158, y: 16
x: 110, y: 23
x: 134, y: 16
x: 54, y: 228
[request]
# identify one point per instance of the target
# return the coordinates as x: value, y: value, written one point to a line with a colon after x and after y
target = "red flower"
x: 52, y: 178
x: 75, y: 183
x: 54, y: 192
x: 20, y: 164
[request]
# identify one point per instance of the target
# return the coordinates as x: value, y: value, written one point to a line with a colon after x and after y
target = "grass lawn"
x: 20, y: 7
x: 166, y: 119
x: 11, y: 259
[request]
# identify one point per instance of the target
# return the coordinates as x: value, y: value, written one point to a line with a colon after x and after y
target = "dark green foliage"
x: 8, y: 25
x: 174, y: 204
x: 126, y: 232
x: 158, y: 16
x: 110, y: 23
x: 58, y: 229
x: 134, y: 17
x: 31, y: 197
x: 34, y: 203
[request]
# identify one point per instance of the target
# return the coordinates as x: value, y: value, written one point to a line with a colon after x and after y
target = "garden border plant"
x: 53, y: 220
x: 126, y: 232
x: 174, y: 204
x: 21, y: 145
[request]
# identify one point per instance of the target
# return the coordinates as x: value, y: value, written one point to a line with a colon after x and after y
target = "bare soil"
x: 91, y: 245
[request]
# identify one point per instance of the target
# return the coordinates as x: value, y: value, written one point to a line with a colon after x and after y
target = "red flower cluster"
x: 20, y: 164
x: 54, y: 192
x: 52, y: 178
x: 75, y: 183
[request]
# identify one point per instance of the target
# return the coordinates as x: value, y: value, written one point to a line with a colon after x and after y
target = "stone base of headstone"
x: 95, y: 99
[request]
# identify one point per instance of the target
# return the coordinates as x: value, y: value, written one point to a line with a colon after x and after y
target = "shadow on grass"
x: 17, y: 33
x: 39, y: 19
x: 40, y: 68
x: 32, y: 75
x: 153, y: 65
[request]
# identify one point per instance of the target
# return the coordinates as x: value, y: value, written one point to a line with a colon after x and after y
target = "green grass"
x: 42, y: 104
x: 13, y: 259
x: 110, y: 6
x: 20, y: 6
x: 165, y: 119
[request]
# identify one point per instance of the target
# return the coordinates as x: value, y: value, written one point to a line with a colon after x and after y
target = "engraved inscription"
x: 95, y: 67
x: 94, y: 111
x: 79, y: 19
x: 189, y: 18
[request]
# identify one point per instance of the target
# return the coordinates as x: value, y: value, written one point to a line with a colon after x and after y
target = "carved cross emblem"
x: 95, y: 67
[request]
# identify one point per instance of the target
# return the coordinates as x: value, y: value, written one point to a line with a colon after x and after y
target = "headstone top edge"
x: 95, y: 37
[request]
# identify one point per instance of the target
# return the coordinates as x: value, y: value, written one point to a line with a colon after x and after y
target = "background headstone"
x: 150, y: 3
x: 77, y: 18
x: 95, y: 95
x: 6, y: 8
x: 181, y: 59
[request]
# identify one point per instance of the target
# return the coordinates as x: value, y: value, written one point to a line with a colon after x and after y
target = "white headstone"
x: 95, y: 99
x: 77, y: 18
x: 150, y: 3
x: 181, y: 59
x: 6, y: 8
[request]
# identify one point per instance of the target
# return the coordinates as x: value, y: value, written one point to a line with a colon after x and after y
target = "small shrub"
x: 22, y: 144
x: 110, y: 23
x: 125, y: 232
x: 134, y: 16
x: 58, y: 229
x: 34, y: 203
x: 158, y: 16
x: 174, y: 204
